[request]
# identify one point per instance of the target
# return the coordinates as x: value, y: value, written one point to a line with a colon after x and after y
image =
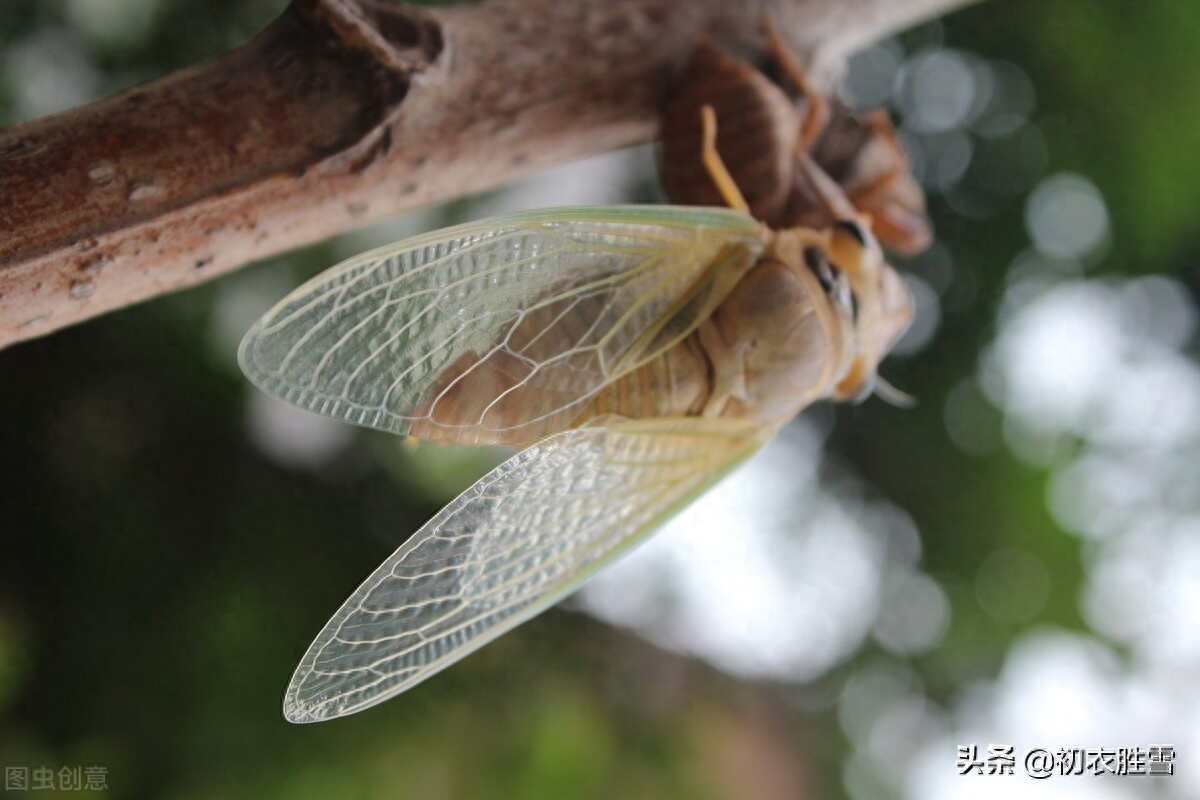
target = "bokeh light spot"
x: 1066, y: 216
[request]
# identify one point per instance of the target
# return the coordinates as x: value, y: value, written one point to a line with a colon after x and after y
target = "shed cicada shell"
x: 637, y: 353
x: 800, y: 159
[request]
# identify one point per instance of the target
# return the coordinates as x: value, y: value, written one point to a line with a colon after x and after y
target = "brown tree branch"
x: 344, y: 111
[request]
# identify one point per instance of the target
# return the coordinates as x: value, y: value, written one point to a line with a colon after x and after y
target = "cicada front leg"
x: 816, y: 110
x: 715, y: 165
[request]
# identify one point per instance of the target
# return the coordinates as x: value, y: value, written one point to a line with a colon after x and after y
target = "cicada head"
x: 883, y: 306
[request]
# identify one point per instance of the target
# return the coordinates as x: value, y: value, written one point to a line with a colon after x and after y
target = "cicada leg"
x: 825, y: 189
x: 903, y: 225
x: 817, y: 109
x: 716, y: 166
x: 869, y: 193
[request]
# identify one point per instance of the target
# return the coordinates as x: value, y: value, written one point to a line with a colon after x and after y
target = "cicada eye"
x: 832, y: 279
x: 855, y: 230
x: 852, y: 245
x: 818, y: 265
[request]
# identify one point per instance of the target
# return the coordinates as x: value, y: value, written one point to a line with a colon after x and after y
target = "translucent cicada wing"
x: 498, y: 331
x: 520, y: 539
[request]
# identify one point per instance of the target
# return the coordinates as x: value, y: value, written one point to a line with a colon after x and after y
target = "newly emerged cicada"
x: 800, y: 159
x: 638, y: 353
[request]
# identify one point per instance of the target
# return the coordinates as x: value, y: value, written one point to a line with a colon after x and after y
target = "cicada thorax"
x: 781, y: 339
x: 782, y: 142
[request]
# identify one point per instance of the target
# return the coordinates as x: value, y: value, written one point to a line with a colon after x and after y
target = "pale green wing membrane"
x: 498, y: 330
x: 517, y: 541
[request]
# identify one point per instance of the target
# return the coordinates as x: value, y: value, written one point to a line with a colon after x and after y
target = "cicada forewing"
x: 499, y: 331
x: 520, y: 539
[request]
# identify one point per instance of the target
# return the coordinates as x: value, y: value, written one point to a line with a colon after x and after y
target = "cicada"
x: 800, y: 158
x: 636, y: 353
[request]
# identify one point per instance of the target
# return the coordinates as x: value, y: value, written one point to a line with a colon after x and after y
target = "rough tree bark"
x: 344, y: 111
